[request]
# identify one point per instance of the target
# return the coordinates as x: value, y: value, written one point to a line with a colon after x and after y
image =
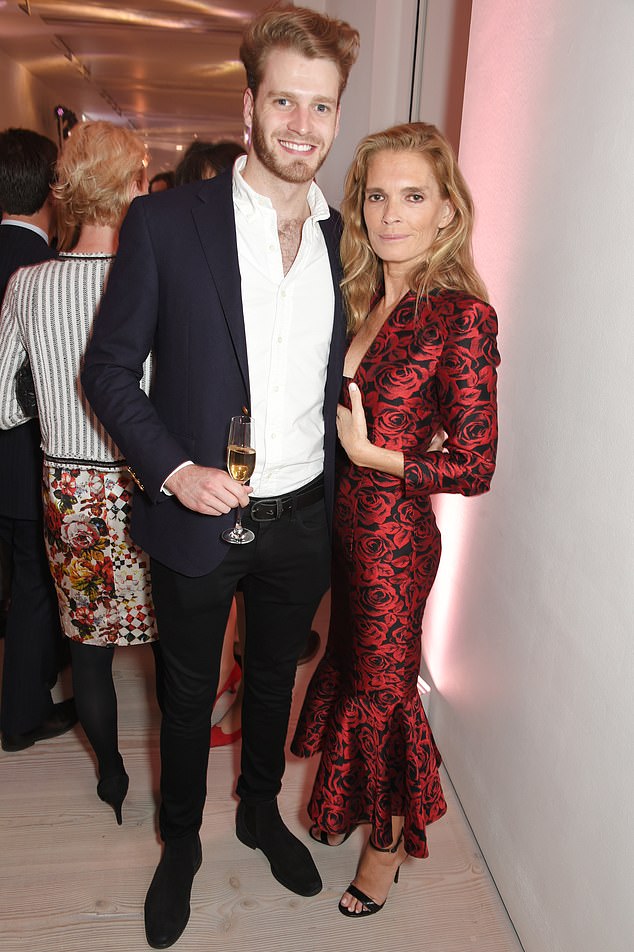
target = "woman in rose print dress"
x: 101, y: 577
x: 422, y: 357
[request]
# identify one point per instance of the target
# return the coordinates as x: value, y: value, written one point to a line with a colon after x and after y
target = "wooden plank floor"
x: 72, y: 880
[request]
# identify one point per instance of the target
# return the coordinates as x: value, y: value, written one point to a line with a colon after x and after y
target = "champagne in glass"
x: 240, y: 464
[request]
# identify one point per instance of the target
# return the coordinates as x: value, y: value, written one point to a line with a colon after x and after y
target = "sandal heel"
x: 371, y: 906
x: 320, y: 836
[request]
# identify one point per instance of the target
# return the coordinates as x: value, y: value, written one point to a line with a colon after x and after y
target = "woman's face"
x: 403, y: 208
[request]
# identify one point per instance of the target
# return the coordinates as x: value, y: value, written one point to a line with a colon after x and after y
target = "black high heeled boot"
x: 113, y: 790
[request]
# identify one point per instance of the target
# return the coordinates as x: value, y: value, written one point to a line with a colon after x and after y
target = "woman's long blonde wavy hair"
x: 447, y: 263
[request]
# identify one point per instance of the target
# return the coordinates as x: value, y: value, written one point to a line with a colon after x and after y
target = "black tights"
x: 96, y: 702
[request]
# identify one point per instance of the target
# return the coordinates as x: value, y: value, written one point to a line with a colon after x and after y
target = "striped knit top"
x: 47, y: 313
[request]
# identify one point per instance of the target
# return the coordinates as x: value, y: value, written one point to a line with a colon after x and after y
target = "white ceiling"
x: 168, y: 68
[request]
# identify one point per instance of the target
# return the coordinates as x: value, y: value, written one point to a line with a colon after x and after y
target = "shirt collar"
x: 250, y: 202
x: 27, y: 225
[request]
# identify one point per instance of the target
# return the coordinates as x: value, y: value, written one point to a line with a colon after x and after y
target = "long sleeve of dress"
x: 466, y: 382
x: 12, y: 356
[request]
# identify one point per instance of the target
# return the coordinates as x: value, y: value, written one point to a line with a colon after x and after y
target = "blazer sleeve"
x: 123, y: 337
x: 467, y: 395
x: 12, y: 356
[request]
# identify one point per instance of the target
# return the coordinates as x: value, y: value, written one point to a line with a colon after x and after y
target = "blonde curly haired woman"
x: 101, y: 576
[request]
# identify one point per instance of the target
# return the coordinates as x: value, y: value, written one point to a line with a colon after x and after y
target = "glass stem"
x: 238, y: 525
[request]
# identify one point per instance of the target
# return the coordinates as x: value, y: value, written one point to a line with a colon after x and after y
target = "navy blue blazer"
x: 175, y: 289
x: 20, y: 453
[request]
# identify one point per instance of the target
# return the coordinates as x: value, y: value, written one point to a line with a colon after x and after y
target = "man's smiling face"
x: 295, y: 116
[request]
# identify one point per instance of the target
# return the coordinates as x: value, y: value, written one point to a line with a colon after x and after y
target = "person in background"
x: 161, y: 182
x: 32, y: 633
x: 235, y: 282
x: 205, y: 160
x: 101, y: 577
x: 422, y: 356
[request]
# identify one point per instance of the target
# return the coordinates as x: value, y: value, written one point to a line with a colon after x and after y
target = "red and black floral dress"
x: 428, y: 367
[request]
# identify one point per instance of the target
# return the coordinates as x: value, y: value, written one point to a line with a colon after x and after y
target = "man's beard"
x: 298, y: 171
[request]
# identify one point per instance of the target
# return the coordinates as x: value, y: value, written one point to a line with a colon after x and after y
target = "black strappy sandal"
x: 371, y: 906
x: 320, y: 836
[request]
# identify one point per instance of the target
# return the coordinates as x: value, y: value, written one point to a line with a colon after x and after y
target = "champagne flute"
x: 240, y: 463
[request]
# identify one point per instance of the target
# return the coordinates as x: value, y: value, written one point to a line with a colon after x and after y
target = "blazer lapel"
x: 331, y: 228
x: 215, y: 222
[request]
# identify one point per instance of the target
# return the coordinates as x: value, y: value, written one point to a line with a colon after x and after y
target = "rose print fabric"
x: 427, y: 367
x: 101, y: 577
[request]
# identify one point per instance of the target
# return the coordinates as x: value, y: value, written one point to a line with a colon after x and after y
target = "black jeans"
x: 283, y: 575
x: 32, y: 637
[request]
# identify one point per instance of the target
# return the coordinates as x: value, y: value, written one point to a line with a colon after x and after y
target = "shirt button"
x: 283, y: 294
x: 276, y: 389
x: 279, y: 340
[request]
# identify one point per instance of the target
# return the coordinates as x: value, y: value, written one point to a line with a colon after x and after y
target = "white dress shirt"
x: 288, y: 322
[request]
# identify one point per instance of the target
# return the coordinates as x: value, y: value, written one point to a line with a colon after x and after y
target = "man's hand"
x: 210, y: 491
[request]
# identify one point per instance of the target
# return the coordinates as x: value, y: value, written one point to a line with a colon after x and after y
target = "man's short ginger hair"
x: 302, y: 31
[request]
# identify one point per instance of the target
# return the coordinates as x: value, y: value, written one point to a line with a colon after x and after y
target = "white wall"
x: 444, y: 59
x: 529, y: 635
x: 25, y: 102
x: 378, y: 90
x: 380, y: 86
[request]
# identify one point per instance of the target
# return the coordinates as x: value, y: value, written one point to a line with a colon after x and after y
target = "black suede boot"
x: 167, y: 901
x: 260, y: 826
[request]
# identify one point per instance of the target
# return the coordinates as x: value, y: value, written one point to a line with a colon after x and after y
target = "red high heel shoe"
x: 220, y: 739
x: 232, y: 682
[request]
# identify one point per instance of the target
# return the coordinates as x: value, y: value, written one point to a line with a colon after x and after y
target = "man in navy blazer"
x: 233, y: 284
x: 33, y: 635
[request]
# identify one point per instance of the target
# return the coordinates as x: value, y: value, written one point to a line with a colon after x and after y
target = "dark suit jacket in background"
x: 32, y: 653
x: 175, y: 289
x: 20, y: 454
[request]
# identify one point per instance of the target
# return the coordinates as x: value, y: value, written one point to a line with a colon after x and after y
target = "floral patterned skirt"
x: 102, y: 578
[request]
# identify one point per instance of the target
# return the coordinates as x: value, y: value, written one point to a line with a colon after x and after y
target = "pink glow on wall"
x: 453, y: 521
x: 499, y: 156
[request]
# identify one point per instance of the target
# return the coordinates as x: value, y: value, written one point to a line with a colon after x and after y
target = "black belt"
x: 270, y: 509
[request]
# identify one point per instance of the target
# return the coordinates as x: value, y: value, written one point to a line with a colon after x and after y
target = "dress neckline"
x: 92, y: 254
x: 378, y: 334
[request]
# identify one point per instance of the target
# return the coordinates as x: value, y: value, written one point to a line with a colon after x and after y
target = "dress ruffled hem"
x: 379, y: 760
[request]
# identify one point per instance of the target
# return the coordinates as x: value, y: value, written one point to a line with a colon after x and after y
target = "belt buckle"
x: 277, y: 503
